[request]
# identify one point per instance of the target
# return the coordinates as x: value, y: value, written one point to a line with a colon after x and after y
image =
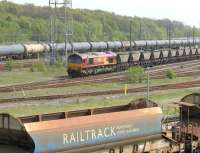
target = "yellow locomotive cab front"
x: 74, y: 66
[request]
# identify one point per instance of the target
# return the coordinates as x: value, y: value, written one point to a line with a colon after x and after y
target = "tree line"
x: 26, y: 23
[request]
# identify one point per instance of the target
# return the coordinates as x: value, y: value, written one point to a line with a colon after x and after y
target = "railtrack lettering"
x: 88, y: 135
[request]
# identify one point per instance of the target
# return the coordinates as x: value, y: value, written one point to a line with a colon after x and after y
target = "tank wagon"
x: 13, y: 51
x: 19, y: 50
x: 82, y: 64
x: 36, y: 48
x: 87, y: 130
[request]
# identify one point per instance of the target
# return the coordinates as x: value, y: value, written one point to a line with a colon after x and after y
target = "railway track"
x: 175, y: 66
x: 182, y: 85
x: 182, y: 69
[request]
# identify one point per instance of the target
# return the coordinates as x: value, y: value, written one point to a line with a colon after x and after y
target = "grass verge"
x: 161, y: 98
x: 89, y: 88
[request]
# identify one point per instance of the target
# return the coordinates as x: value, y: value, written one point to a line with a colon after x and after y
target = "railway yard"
x: 104, y: 97
x: 76, y: 80
x: 106, y: 112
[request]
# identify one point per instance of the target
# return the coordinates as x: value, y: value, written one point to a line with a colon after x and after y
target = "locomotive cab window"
x: 74, y: 59
x: 91, y: 60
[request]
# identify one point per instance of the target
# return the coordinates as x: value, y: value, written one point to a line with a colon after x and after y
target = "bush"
x: 59, y: 63
x: 39, y: 66
x: 171, y: 74
x: 32, y: 69
x: 136, y: 74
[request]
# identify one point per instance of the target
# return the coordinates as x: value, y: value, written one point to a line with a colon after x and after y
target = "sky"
x: 186, y: 11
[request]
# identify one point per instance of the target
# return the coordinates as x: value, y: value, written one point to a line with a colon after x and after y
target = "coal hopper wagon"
x: 102, y: 129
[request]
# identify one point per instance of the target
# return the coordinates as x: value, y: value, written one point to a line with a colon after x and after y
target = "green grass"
x: 91, y: 102
x: 24, y: 75
x: 39, y: 71
x: 21, y: 76
x: 87, y: 88
x: 161, y: 98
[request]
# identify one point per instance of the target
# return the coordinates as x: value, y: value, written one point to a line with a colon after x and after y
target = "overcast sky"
x: 186, y: 11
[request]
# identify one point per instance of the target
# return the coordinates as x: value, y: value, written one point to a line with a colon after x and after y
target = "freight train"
x: 91, y: 63
x: 130, y: 127
x: 31, y: 50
